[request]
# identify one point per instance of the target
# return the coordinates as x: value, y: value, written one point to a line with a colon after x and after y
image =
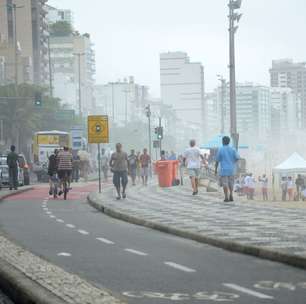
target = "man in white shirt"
x: 193, y: 159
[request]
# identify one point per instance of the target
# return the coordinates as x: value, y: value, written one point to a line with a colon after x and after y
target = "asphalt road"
x: 138, y: 264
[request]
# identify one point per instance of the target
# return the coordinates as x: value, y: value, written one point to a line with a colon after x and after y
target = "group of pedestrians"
x: 123, y: 165
x: 288, y: 186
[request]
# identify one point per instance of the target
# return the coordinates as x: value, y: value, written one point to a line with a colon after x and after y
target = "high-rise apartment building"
x: 288, y: 74
x: 31, y: 35
x: 123, y: 101
x: 54, y: 15
x: 253, y: 106
x: 182, y: 87
x: 73, y: 63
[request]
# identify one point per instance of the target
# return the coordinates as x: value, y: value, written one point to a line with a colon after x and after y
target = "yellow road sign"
x: 98, y: 131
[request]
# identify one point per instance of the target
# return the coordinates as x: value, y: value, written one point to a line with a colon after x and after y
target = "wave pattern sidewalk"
x: 271, y: 232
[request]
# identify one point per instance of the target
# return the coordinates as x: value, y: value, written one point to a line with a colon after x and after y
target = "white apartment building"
x: 182, y: 87
x: 253, y: 104
x: 66, y: 67
x: 123, y: 101
x: 286, y: 111
x: 54, y: 15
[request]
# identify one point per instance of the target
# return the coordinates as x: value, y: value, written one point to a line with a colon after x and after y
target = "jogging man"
x: 104, y: 164
x: 227, y: 157
x: 64, y: 167
x: 193, y: 158
x: 119, y: 166
x: 145, y: 161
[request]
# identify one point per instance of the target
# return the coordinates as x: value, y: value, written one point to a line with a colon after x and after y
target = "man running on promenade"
x: 119, y: 167
x: 145, y: 161
x: 133, y: 166
x: 193, y: 158
x: 227, y: 157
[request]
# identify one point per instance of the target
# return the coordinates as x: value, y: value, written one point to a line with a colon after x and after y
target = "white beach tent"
x: 295, y: 164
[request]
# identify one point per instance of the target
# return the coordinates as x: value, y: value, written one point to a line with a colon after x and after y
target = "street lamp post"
x: 80, y: 88
x: 50, y: 69
x: 148, y: 113
x: 223, y: 88
x: 126, y: 92
x: 234, y: 18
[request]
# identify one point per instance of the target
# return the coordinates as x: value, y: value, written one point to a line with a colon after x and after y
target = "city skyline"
x: 122, y: 34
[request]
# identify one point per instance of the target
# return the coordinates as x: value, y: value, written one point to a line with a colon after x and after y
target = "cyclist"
x: 64, y: 167
x: 52, y: 171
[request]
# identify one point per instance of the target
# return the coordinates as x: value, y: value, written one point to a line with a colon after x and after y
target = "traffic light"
x: 38, y: 99
x: 160, y: 134
x: 156, y: 130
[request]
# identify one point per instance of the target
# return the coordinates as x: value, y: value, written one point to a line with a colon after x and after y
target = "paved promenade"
x: 271, y: 230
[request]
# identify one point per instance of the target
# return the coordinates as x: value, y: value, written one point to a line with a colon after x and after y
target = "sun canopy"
x: 294, y: 164
x: 216, y: 143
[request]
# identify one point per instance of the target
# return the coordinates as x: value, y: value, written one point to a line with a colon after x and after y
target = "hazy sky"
x: 129, y: 35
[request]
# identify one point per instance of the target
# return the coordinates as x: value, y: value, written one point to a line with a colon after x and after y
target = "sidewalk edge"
x: 263, y: 253
x: 15, y: 192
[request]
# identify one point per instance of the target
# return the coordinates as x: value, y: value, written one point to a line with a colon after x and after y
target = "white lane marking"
x: 70, y: 226
x: 179, y: 267
x: 106, y: 241
x: 83, y: 232
x: 135, y: 251
x: 248, y: 291
x: 48, y: 212
x: 65, y: 254
x: 52, y: 216
x: 60, y: 221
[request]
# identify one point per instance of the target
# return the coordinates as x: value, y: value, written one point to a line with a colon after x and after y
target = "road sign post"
x: 98, y: 132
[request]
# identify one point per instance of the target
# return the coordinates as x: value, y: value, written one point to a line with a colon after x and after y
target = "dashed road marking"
x: 83, y: 232
x: 179, y: 267
x: 106, y: 241
x: 70, y: 226
x: 248, y: 291
x: 64, y: 254
x: 48, y: 212
x: 60, y: 221
x: 52, y: 216
x: 135, y: 252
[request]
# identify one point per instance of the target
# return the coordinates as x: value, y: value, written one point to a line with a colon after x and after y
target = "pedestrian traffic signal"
x: 156, y: 130
x: 38, y: 99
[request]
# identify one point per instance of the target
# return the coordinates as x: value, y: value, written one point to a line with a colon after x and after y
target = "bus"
x: 44, y: 143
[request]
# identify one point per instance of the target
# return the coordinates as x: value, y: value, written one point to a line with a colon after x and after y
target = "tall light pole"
x: 234, y: 18
x: 223, y: 88
x: 50, y: 69
x: 126, y: 91
x: 80, y: 88
x: 148, y: 113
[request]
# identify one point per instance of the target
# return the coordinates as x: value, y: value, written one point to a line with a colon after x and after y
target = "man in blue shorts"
x: 227, y: 157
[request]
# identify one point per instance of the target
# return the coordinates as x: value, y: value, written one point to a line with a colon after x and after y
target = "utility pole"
x: 223, y: 88
x: 50, y: 69
x: 148, y: 113
x: 160, y: 140
x: 113, y: 102
x: 233, y: 17
x: 80, y: 88
x: 126, y: 91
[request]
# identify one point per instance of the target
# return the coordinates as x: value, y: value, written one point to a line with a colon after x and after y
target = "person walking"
x: 193, y: 157
x: 264, y: 186
x: 300, y: 185
x: 76, y: 162
x: 251, y: 186
x: 145, y: 161
x: 104, y: 164
x: 284, y: 187
x: 64, y: 167
x: 12, y: 162
x: 119, y: 167
x: 290, y: 188
x: 227, y: 157
x: 133, y: 166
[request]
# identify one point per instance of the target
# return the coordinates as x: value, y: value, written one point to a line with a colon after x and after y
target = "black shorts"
x: 120, y: 176
x: 62, y: 173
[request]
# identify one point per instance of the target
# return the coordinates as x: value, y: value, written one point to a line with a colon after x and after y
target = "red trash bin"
x: 164, y: 171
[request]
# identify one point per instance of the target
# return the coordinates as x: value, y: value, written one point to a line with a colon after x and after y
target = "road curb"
x: 263, y: 253
x: 15, y: 192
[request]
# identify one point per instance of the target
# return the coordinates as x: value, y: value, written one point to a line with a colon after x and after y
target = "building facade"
x: 29, y: 60
x: 288, y: 74
x: 182, y: 87
x: 123, y: 101
x: 253, y: 104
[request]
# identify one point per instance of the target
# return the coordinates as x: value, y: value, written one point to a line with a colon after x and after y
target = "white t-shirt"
x: 193, y: 158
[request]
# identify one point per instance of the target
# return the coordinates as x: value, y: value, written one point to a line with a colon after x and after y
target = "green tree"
x: 61, y: 28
